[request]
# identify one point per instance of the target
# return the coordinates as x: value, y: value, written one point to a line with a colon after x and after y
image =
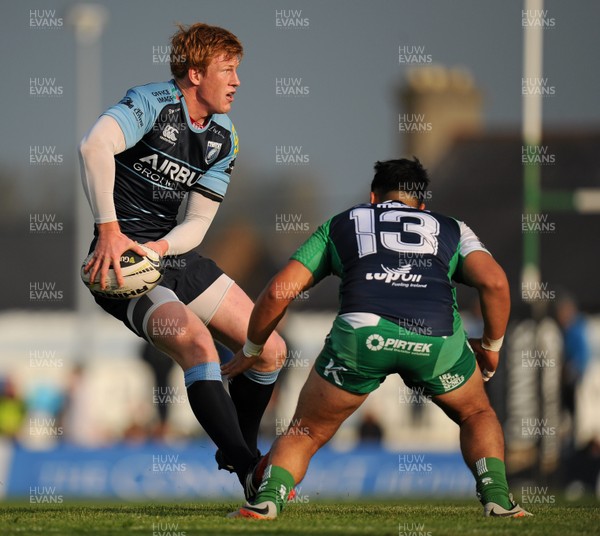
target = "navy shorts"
x: 186, y: 277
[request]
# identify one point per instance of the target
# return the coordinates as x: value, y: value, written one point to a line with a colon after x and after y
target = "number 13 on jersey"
x: 417, y: 231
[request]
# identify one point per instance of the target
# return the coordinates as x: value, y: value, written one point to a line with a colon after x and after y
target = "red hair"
x: 196, y: 45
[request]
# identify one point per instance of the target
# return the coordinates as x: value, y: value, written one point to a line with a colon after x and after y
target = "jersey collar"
x: 396, y: 202
x: 186, y: 112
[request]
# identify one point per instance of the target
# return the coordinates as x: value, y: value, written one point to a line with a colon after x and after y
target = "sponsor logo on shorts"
x: 397, y: 277
x: 376, y: 342
x: 336, y: 373
x: 450, y: 381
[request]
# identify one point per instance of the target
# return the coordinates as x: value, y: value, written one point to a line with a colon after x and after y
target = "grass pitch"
x: 401, y: 518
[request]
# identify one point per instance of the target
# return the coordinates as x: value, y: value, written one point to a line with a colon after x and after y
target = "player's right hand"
x: 238, y: 364
x: 486, y: 359
x: 112, y: 243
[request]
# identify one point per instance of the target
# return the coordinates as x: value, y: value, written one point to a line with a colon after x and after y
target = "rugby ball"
x: 141, y: 275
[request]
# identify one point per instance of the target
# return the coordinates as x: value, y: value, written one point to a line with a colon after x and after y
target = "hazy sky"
x: 340, y: 55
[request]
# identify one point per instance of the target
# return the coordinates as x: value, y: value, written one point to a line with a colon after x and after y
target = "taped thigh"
x: 140, y: 309
x: 206, y: 304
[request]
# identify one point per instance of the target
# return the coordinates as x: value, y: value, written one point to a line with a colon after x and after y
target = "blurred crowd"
x: 143, y: 400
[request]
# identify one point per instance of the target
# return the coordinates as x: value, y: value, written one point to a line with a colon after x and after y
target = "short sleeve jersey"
x: 166, y: 157
x: 394, y: 261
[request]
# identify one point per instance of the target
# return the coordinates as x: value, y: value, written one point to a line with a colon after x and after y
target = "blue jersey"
x: 394, y: 261
x: 166, y: 157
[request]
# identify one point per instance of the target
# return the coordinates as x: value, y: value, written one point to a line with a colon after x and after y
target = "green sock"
x: 276, y: 485
x: 490, y: 474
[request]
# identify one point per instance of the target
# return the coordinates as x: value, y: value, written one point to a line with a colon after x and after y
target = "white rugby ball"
x: 141, y: 275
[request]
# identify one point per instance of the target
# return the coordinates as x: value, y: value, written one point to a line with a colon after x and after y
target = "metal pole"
x: 88, y: 22
x: 532, y: 137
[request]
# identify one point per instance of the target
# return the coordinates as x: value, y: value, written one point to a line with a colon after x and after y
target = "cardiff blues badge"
x: 212, y: 151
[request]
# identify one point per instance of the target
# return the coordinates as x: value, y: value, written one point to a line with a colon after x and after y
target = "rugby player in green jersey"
x: 398, y: 315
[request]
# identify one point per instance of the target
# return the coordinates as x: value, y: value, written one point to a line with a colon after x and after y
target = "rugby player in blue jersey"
x: 163, y: 143
x: 398, y: 315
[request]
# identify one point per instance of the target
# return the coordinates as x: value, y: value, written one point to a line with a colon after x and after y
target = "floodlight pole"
x: 532, y: 137
x: 88, y: 22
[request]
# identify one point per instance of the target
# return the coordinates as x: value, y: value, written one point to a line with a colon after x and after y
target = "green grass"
x: 401, y: 518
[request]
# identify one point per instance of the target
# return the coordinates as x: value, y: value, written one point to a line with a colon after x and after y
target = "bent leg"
x: 252, y: 390
x: 322, y: 408
x: 229, y: 324
x: 177, y: 331
x: 480, y: 431
x: 481, y: 439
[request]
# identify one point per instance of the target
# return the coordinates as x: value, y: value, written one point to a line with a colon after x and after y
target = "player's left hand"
x: 238, y: 364
x: 486, y: 359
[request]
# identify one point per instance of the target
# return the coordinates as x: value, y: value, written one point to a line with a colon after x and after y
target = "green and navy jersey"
x: 166, y: 157
x: 395, y: 261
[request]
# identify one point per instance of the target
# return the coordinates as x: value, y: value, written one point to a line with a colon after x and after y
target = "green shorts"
x: 359, y: 357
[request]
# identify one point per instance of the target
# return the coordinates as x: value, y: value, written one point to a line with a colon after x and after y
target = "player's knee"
x: 478, y: 411
x: 185, y: 346
x: 273, y: 355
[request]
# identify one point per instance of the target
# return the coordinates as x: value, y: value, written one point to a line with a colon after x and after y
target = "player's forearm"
x: 190, y: 232
x: 276, y: 298
x: 494, y: 298
x: 270, y: 308
x: 481, y: 271
x: 185, y: 237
